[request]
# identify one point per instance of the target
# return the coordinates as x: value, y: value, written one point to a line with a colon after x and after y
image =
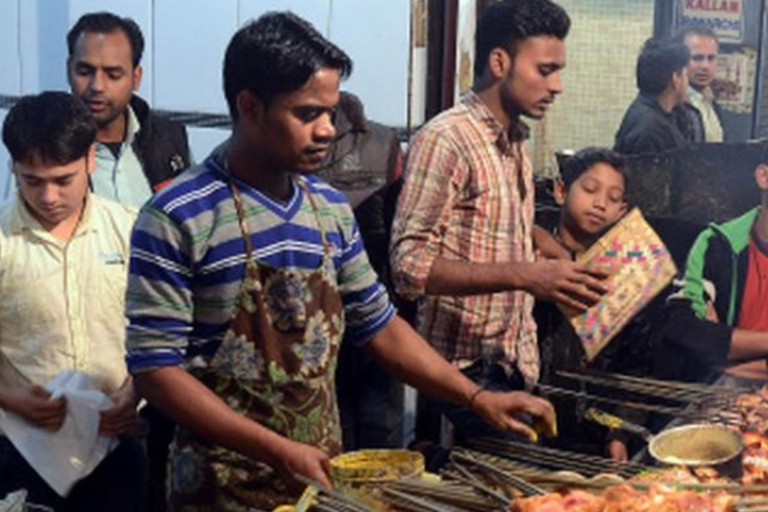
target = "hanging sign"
x: 724, y: 17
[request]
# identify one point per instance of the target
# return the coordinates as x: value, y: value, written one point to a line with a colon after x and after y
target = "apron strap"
x: 250, y: 261
x: 244, y: 227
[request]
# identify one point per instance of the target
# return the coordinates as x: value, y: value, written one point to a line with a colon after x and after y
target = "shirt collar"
x: 496, y: 131
x: 705, y: 95
x: 651, y: 102
x: 133, y: 125
x: 22, y: 219
x: 219, y: 157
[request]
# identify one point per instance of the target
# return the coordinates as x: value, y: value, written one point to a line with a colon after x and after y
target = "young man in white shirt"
x: 63, y: 271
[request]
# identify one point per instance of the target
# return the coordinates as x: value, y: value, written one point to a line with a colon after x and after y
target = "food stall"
x: 492, y: 474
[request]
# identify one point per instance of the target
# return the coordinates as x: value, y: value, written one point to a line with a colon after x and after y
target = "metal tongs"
x: 416, y: 503
x: 326, y: 500
x: 521, y: 484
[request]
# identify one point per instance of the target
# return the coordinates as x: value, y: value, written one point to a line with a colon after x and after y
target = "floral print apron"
x: 276, y: 366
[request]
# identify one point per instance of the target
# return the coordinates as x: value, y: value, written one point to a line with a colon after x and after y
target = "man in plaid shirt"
x: 463, y: 238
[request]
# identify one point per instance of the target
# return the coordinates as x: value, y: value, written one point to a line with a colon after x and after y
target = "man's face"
x: 295, y: 131
x: 595, y: 201
x: 54, y: 193
x: 533, y: 79
x: 703, y: 64
x: 101, y: 73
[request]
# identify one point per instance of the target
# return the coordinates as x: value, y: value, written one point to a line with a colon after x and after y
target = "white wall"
x: 185, y: 41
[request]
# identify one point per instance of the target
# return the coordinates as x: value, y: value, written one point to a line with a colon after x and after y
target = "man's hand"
x: 617, y: 451
x: 501, y: 411
x: 34, y: 404
x: 570, y: 283
x: 121, y: 418
x: 305, y: 460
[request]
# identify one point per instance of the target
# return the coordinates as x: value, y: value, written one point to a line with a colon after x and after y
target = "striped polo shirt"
x: 188, y: 260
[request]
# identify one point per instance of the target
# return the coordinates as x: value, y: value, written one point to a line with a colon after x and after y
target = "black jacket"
x: 716, y: 272
x: 691, y: 124
x: 646, y: 128
x: 366, y: 155
x: 161, y: 145
x: 365, y: 162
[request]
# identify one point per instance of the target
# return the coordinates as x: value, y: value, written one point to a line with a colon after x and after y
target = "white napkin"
x: 63, y: 457
x: 14, y: 501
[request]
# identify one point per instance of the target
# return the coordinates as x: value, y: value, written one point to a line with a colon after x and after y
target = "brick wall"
x: 599, y: 80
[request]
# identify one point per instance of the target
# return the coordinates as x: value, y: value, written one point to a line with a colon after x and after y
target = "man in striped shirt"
x: 246, y: 272
x: 463, y: 237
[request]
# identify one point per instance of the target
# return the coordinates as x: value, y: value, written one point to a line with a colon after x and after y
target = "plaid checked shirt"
x: 468, y: 196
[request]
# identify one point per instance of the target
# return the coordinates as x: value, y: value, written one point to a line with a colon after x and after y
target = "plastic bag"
x: 63, y: 457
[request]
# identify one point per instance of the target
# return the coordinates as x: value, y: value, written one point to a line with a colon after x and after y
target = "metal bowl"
x: 696, y: 445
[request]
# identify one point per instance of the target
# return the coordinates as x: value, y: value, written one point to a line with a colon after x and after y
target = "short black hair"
x: 277, y: 54
x: 55, y: 127
x: 697, y: 30
x: 658, y: 61
x: 585, y: 159
x: 108, y: 23
x: 506, y: 23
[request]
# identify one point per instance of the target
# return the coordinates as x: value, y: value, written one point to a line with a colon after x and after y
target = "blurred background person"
x: 649, y: 124
x: 137, y: 151
x: 701, y: 116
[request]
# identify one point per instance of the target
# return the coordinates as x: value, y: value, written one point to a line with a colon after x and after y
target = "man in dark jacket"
x: 365, y: 163
x: 718, y: 318
x: 649, y: 125
x: 137, y: 151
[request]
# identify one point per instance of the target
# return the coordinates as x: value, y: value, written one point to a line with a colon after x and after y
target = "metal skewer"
x: 518, y: 482
x: 417, y: 504
x: 681, y: 391
x: 556, y: 459
x: 674, y: 411
x: 328, y: 496
x: 454, y: 493
x: 467, y: 477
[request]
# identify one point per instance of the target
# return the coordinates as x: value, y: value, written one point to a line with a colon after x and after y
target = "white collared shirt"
x: 62, y: 303
x: 121, y: 178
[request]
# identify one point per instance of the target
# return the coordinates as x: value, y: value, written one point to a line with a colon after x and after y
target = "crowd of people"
x: 246, y: 316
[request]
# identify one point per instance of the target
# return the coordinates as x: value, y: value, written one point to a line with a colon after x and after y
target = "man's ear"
x: 499, y: 62
x: 249, y: 107
x: 761, y: 176
x: 559, y: 191
x: 137, y: 74
x: 678, y: 79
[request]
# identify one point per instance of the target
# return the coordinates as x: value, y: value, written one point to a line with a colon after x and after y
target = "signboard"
x: 724, y: 17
